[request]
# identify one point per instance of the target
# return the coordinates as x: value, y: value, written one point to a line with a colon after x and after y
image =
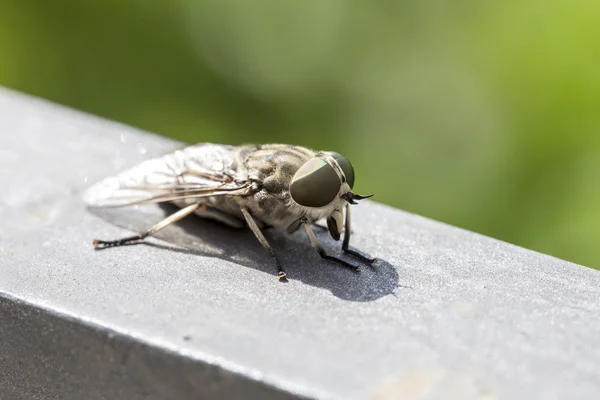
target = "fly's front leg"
x: 321, y: 251
x: 261, y: 238
x: 346, y: 243
x: 184, y: 212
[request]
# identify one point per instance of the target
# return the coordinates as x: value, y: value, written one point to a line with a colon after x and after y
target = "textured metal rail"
x: 197, y: 312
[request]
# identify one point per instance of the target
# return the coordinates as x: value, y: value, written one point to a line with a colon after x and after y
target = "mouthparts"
x: 350, y: 197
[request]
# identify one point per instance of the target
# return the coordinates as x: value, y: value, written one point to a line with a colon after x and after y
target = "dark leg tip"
x: 282, y: 276
x: 102, y: 244
x: 361, y: 257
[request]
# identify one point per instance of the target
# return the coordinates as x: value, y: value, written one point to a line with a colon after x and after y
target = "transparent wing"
x: 198, y: 171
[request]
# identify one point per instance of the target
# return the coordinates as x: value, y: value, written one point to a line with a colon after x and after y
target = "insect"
x: 259, y: 186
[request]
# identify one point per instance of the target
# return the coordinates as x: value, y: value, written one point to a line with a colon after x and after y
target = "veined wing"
x: 197, y: 171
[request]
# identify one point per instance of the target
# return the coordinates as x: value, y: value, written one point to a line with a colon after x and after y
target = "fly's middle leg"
x: 261, y: 238
x: 184, y: 212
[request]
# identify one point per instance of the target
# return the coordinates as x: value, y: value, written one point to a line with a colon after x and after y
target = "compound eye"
x: 345, y: 166
x: 315, y: 184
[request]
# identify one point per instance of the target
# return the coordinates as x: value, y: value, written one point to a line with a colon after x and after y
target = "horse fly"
x: 261, y: 186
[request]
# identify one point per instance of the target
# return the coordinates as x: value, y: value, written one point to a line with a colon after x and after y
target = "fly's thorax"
x: 297, y: 183
x: 275, y: 165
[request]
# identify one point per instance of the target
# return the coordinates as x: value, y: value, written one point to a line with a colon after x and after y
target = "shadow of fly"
x: 259, y: 186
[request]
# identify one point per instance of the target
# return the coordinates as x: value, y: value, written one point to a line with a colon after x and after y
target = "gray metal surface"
x: 197, y: 312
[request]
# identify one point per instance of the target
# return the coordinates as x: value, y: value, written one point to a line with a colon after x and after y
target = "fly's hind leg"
x: 346, y: 242
x: 184, y: 212
x: 261, y: 238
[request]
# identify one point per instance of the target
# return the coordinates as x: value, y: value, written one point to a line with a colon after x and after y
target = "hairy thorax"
x: 273, y: 167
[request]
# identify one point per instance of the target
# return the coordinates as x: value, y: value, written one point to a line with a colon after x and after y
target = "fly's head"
x: 323, y: 186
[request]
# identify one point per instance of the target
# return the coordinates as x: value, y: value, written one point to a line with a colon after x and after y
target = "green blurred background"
x: 485, y: 115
